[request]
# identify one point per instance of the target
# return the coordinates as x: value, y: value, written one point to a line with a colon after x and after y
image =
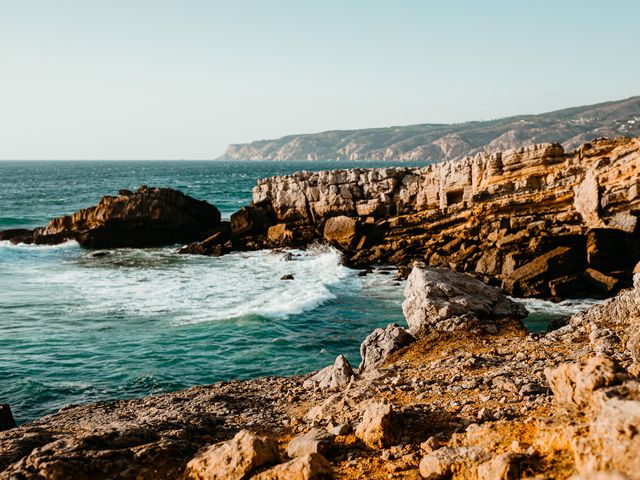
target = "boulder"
x: 255, y: 219
x: 573, y: 384
x: 234, y: 459
x: 337, y: 375
x: 440, y: 299
x: 379, y: 427
x: 448, y: 461
x: 612, y: 441
x: 313, y: 441
x: 279, y: 234
x: 341, y: 231
x: 147, y: 217
x: 500, y: 467
x: 532, y: 279
x: 312, y: 466
x: 381, y: 343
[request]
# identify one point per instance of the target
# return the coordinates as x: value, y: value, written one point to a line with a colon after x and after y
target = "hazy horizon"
x: 148, y: 81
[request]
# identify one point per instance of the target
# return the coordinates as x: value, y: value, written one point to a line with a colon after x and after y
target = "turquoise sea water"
x: 75, y: 327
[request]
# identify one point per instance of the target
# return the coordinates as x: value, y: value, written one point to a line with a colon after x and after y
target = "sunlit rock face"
x: 539, y: 220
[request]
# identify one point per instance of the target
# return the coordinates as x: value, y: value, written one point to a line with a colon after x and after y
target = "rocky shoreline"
x: 467, y: 393
x: 463, y: 392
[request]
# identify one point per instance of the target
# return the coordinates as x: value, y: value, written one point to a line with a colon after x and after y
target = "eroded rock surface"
x: 540, y: 221
x: 441, y: 299
x: 381, y: 343
x: 144, y: 218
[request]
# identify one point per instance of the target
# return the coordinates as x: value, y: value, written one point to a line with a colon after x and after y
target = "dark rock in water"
x: 557, y: 323
x: 287, y: 277
x: 216, y: 244
x: 15, y: 235
x: 99, y: 254
x: 147, y: 217
x: 6, y: 418
x: 125, y: 192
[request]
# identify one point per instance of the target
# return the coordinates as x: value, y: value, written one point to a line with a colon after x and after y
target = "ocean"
x: 77, y: 327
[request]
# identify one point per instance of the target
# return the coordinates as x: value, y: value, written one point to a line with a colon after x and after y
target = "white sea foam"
x: 30, y: 246
x: 196, y: 289
x: 564, y: 307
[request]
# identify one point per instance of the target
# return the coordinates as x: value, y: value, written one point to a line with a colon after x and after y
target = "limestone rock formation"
x: 313, y: 441
x: 378, y: 428
x: 573, y: 384
x: 146, y: 217
x: 448, y: 405
x: 234, y: 459
x: 440, y: 299
x: 307, y: 467
x: 538, y: 220
x: 337, y: 375
x: 381, y: 343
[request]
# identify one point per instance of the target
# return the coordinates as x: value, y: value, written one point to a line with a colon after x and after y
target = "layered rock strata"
x: 537, y: 220
x: 144, y: 218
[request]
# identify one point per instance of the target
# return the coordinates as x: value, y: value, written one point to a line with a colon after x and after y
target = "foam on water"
x: 541, y: 312
x: 197, y: 289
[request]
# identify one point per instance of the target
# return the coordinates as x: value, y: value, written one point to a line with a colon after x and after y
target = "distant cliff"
x: 434, y: 142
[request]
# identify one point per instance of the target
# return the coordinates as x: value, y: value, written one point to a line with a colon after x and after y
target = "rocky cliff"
x: 540, y: 221
x: 435, y: 142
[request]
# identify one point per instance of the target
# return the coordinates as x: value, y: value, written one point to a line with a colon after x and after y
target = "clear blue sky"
x: 135, y: 79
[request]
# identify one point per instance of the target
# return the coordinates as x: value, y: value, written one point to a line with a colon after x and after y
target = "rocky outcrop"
x: 337, y: 375
x: 540, y: 221
x: 144, y: 218
x: 440, y: 299
x: 381, y: 343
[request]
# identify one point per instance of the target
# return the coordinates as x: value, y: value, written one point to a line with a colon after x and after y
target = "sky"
x: 154, y: 79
